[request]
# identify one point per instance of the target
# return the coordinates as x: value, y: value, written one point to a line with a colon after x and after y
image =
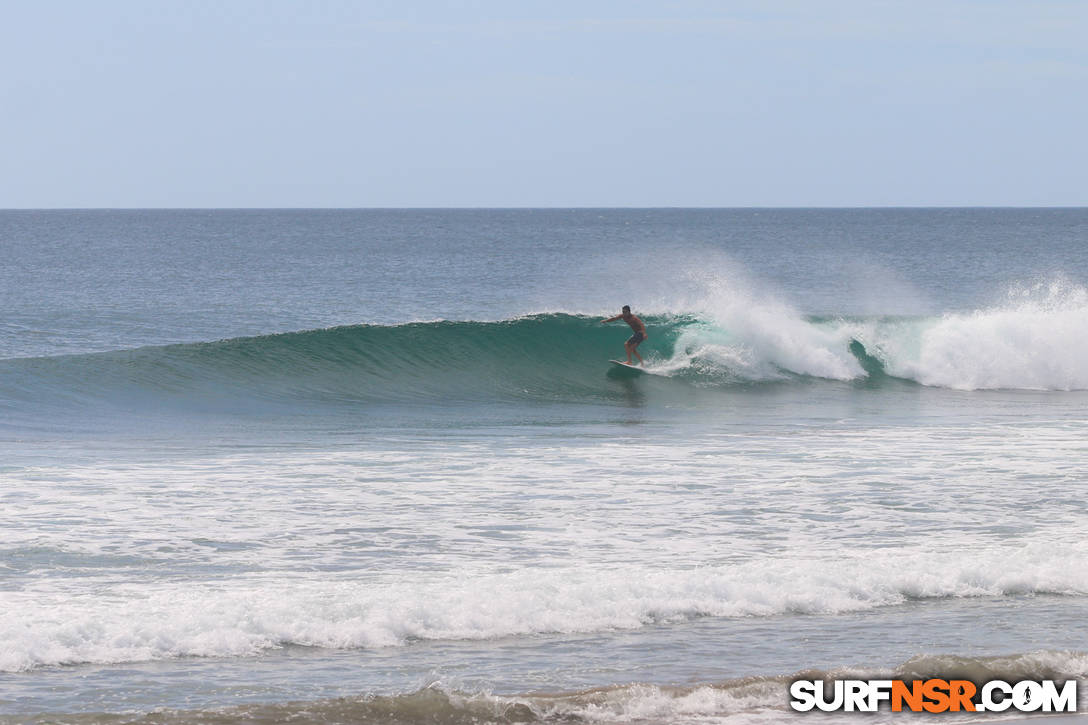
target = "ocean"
x: 374, y: 465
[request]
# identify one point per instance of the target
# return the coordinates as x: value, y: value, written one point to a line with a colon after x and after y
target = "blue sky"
x: 402, y: 104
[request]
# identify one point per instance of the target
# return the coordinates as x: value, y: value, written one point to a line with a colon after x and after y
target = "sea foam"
x: 1034, y: 340
x: 1031, y: 341
x: 125, y: 622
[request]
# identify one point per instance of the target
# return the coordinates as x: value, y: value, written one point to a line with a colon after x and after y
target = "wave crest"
x: 1033, y: 341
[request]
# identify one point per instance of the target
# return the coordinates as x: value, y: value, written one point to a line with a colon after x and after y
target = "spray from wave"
x: 1032, y: 341
x: 1035, y: 340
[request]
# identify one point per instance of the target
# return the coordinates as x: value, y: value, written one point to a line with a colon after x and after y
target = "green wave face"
x: 543, y: 357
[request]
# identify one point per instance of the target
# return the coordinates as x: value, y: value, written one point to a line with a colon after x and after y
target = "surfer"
x: 631, y: 346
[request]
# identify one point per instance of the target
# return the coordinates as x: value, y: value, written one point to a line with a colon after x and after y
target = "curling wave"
x: 1026, y: 344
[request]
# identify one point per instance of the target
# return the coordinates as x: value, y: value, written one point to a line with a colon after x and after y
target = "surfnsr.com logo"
x: 933, y: 695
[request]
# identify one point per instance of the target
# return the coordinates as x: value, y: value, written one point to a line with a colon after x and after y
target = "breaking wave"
x: 248, y: 617
x: 1033, y: 342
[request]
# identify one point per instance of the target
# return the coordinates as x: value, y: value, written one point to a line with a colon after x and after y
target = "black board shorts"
x: 635, y: 339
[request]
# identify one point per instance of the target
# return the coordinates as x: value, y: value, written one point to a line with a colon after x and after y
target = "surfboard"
x: 632, y: 368
x: 622, y: 369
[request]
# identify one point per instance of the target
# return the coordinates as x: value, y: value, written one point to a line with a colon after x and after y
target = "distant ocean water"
x: 355, y: 466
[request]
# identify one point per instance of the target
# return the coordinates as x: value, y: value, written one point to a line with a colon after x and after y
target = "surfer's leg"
x: 631, y: 346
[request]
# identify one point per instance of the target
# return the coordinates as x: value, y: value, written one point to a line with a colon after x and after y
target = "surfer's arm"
x: 611, y: 319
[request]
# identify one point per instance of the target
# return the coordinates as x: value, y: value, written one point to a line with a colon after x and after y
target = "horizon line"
x: 540, y: 208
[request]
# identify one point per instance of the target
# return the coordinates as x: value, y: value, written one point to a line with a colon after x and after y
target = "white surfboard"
x: 633, y: 368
